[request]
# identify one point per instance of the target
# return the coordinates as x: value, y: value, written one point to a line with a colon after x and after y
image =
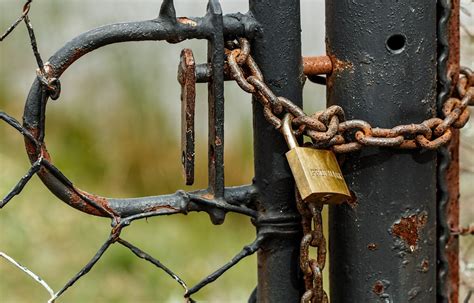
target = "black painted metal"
x: 277, y: 50
x: 387, y: 83
x: 212, y: 27
x: 384, y: 73
x: 215, y: 56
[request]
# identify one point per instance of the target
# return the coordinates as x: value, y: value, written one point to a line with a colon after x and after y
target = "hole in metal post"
x: 396, y: 43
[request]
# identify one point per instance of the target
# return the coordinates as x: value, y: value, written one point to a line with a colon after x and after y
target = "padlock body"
x: 317, y: 175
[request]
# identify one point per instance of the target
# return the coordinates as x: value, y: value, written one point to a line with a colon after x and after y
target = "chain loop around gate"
x: 328, y: 128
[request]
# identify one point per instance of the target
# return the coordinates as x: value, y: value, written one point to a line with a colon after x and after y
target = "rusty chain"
x: 329, y: 129
x: 312, y: 222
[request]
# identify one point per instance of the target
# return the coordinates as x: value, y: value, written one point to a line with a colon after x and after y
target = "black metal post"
x: 383, y: 245
x: 277, y: 50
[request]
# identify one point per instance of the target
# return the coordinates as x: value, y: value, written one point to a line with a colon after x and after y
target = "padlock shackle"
x: 287, y: 131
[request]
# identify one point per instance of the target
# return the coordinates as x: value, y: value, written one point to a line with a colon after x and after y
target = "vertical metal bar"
x: 277, y: 50
x: 187, y: 79
x: 216, y: 100
x: 215, y: 58
x: 448, y: 283
x: 383, y: 246
x: 451, y: 285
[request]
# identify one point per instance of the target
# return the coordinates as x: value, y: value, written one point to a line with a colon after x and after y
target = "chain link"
x: 329, y: 129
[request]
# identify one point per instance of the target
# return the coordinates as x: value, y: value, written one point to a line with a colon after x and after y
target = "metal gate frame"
x: 393, y: 242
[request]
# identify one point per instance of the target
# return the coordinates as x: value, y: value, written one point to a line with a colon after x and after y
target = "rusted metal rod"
x: 317, y: 65
x: 312, y: 66
x: 448, y: 276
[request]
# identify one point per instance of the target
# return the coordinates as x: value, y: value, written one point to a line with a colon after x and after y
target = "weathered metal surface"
x: 317, y: 65
x: 408, y: 229
x: 187, y: 79
x: 279, y: 278
x: 452, y: 246
x: 166, y: 27
x: 381, y: 85
x: 215, y: 57
x: 452, y: 172
x: 378, y: 63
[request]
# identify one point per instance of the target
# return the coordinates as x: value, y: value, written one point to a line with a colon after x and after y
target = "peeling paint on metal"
x: 408, y: 229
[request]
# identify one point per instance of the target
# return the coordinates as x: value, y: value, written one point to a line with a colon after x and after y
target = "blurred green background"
x: 115, y: 132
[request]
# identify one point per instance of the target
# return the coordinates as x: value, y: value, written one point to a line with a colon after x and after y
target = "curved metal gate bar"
x: 165, y: 27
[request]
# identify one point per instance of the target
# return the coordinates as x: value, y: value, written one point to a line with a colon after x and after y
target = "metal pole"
x: 383, y: 245
x: 448, y: 179
x: 277, y: 50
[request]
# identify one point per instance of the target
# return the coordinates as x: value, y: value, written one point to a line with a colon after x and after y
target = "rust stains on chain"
x: 348, y: 136
x: 408, y: 229
x: 312, y: 222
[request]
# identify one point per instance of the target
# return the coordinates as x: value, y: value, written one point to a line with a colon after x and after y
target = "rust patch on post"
x: 378, y: 288
x: 339, y: 65
x: 372, y: 246
x: 425, y: 265
x: 408, y: 229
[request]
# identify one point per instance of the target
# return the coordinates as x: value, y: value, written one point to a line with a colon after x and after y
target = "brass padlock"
x: 317, y: 174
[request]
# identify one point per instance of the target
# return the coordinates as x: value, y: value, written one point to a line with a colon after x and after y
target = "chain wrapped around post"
x: 329, y: 129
